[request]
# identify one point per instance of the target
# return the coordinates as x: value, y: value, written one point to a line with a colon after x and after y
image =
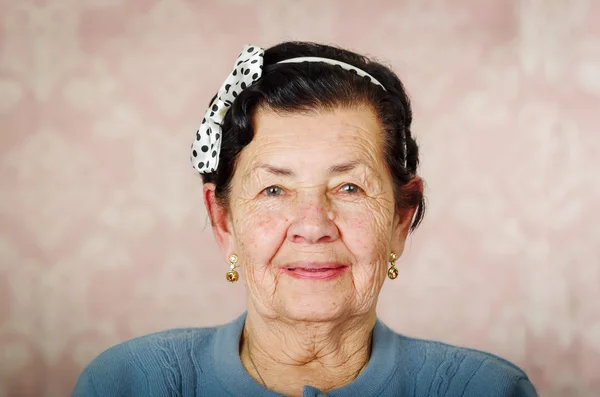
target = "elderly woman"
x: 310, y: 182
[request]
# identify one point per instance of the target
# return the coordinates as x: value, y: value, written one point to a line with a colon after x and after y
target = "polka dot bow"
x: 207, y: 145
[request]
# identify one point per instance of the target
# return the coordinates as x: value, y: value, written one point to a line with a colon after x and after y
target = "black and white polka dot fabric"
x: 207, y: 145
x: 247, y: 69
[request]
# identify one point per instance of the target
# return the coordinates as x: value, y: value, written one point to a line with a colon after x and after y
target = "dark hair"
x: 300, y: 87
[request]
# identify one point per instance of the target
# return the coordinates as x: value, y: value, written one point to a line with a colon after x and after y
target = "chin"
x: 310, y: 306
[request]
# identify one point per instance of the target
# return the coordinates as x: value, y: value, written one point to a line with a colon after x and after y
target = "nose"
x: 313, y: 221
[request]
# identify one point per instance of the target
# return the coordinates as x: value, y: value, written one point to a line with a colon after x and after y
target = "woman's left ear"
x: 401, y: 228
x: 403, y: 219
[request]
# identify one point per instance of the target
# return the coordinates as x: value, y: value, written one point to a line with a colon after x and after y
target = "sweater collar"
x: 372, y: 380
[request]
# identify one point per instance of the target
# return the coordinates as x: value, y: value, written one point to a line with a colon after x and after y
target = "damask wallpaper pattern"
x: 103, y: 234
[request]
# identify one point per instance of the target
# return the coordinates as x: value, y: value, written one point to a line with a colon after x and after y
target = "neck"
x: 286, y: 355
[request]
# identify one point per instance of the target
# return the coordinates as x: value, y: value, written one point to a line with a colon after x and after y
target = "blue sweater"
x: 206, y: 362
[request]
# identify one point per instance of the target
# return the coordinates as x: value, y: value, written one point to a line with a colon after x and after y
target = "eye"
x: 350, y: 188
x: 273, y: 191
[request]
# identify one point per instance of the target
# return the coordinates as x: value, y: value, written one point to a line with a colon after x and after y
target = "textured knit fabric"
x: 206, y: 362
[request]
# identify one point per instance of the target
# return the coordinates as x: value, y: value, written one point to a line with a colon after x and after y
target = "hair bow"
x: 207, y: 145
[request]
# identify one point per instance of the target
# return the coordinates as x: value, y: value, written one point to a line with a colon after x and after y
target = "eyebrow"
x: 333, y: 170
x: 273, y: 170
x: 344, y: 167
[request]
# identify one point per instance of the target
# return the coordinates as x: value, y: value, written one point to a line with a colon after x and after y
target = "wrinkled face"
x: 312, y: 214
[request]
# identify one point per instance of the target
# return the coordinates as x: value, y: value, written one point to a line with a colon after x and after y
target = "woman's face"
x: 312, y: 216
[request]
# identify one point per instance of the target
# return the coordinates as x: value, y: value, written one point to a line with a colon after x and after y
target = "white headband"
x: 343, y: 65
x: 247, y: 69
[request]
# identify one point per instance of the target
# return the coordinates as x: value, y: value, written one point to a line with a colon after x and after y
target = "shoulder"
x: 464, y: 371
x: 162, y: 360
x: 452, y: 354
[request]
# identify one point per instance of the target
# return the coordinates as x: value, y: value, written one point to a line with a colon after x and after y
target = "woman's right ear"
x: 219, y: 218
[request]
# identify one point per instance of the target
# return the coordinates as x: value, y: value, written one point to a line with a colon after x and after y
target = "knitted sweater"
x: 205, y: 362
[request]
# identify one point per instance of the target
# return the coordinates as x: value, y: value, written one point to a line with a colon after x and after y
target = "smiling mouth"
x: 315, y: 272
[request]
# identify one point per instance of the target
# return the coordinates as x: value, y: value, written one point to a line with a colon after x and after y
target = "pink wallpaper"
x: 103, y: 234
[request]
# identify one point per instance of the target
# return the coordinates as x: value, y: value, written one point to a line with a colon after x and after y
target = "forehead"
x: 317, y: 135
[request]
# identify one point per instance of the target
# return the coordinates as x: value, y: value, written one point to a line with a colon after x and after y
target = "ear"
x: 403, y: 219
x: 219, y: 220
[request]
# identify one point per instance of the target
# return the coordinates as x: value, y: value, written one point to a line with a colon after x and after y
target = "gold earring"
x: 232, y: 275
x: 393, y: 270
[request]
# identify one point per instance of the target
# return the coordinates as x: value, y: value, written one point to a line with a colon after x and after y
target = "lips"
x: 314, y: 270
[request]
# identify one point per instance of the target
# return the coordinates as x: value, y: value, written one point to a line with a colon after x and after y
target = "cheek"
x: 266, y: 223
x: 359, y: 232
x: 365, y: 231
x: 260, y: 234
